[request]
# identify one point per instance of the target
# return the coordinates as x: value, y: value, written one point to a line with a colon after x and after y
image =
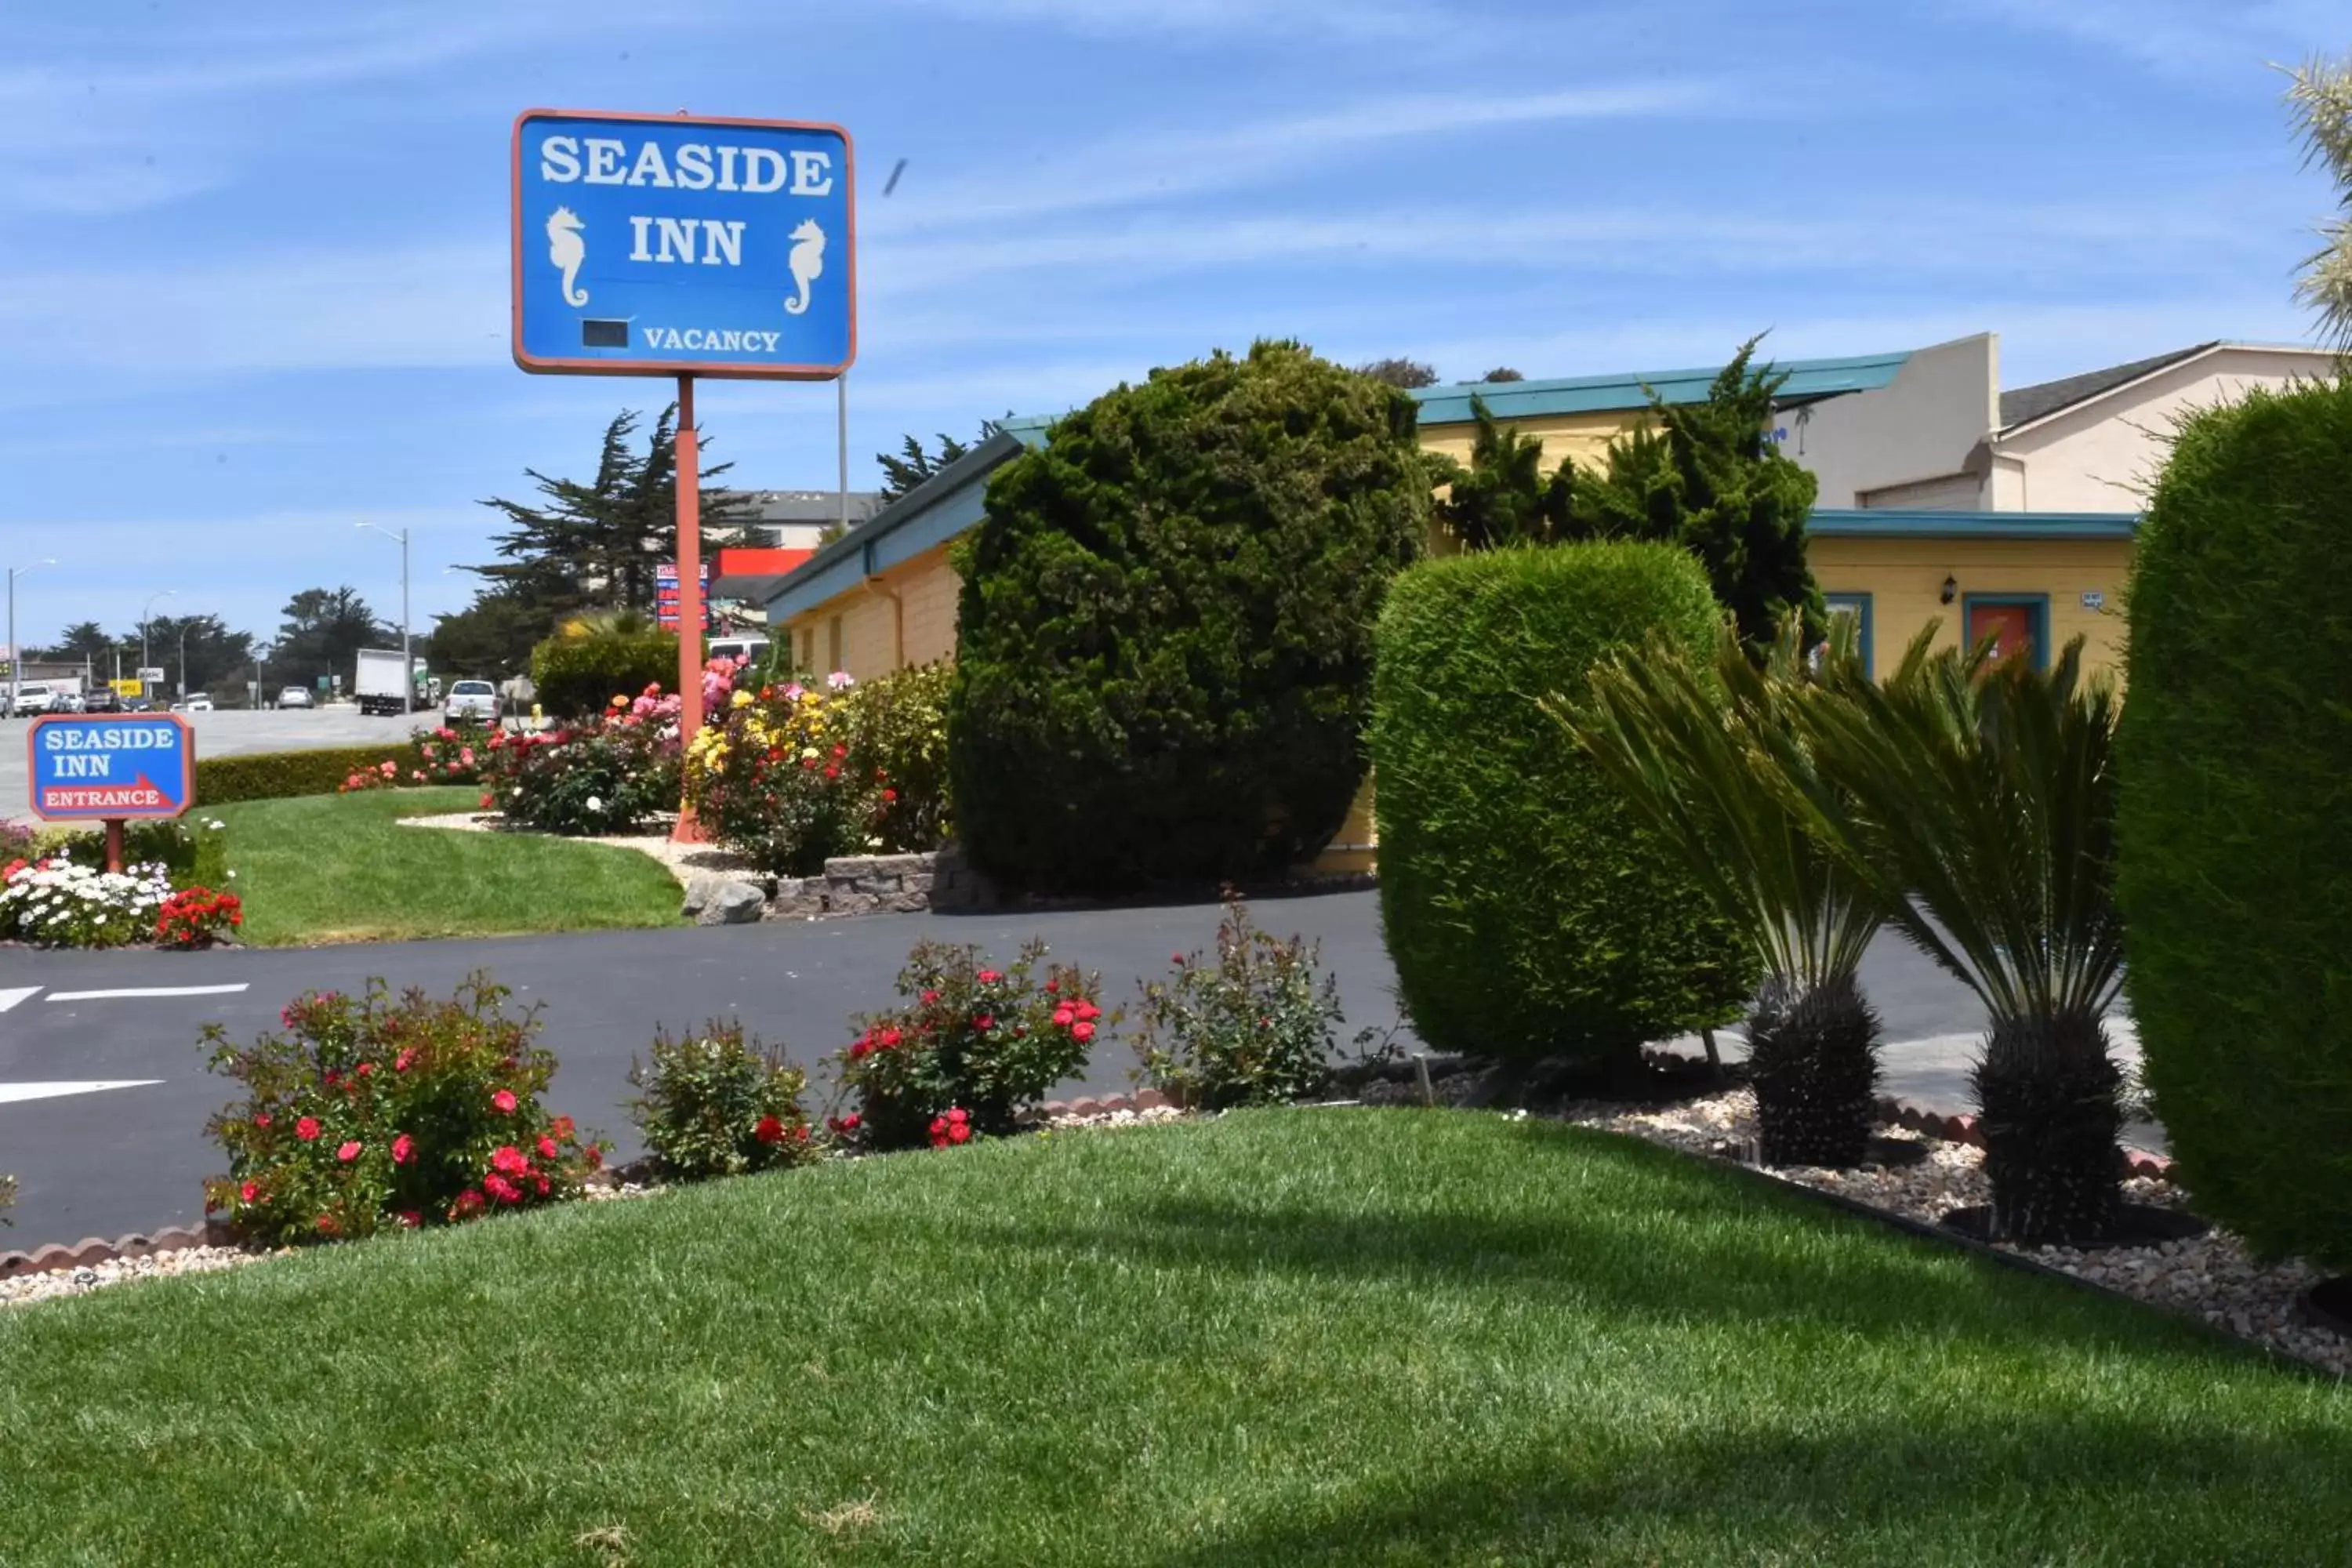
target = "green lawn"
x: 338, y: 867
x: 1343, y: 1336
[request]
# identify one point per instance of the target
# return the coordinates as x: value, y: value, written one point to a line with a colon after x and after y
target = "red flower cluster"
x: 197, y: 917
x: 955, y: 1127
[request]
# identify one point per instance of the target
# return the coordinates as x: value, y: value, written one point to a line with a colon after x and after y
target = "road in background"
x: 102, y: 1161
x: 224, y: 734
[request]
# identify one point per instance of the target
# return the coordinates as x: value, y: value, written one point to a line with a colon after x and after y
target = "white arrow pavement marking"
x: 11, y: 997
x: 15, y: 1091
x: 148, y: 991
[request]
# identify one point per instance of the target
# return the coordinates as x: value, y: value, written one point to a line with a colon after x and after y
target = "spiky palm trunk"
x: 2051, y: 1110
x: 1812, y: 1060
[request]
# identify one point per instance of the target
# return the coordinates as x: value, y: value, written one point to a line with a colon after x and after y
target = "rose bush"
x: 611, y: 773
x: 1254, y: 1027
x: 772, y: 778
x: 368, y: 1114
x: 718, y: 1104
x: 968, y: 1046
x: 444, y: 756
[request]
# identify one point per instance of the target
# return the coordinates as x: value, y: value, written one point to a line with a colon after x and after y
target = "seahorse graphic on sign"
x: 567, y: 250
x: 807, y: 262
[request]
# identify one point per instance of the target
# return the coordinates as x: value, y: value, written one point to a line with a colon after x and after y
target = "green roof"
x: 1810, y: 381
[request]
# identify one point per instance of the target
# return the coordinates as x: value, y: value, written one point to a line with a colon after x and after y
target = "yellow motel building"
x: 1943, y: 497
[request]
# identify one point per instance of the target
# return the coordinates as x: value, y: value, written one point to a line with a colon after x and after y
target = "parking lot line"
x: 149, y: 991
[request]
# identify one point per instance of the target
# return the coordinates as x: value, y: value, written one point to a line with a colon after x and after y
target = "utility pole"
x: 841, y: 441
x: 146, y: 615
x: 408, y: 660
x: 16, y: 654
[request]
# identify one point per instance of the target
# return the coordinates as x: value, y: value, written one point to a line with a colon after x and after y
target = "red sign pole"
x: 114, y: 844
x: 690, y: 592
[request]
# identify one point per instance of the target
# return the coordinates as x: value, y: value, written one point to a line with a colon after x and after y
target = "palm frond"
x: 1695, y: 750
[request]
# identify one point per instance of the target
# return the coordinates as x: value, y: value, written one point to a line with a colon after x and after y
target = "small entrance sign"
x: 92, y: 766
x: 664, y: 245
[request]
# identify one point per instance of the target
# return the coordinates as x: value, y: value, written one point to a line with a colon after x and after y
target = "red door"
x: 2011, y: 623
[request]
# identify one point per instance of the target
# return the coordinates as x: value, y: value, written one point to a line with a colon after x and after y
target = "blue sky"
x: 252, y: 275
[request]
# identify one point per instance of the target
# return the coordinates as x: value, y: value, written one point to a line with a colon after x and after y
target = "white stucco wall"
x: 2103, y: 455
x: 1918, y: 430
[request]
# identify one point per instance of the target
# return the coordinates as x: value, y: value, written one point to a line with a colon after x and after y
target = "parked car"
x: 66, y: 702
x: 33, y: 697
x: 476, y: 699
x: 295, y: 697
x: 102, y: 700
x: 139, y: 705
x: 196, y: 704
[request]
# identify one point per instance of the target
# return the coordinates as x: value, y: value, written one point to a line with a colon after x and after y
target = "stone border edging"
x: 93, y: 1251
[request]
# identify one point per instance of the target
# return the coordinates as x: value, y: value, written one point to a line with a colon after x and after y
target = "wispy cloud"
x: 1150, y: 168
x: 2208, y: 39
x: 1369, y: 21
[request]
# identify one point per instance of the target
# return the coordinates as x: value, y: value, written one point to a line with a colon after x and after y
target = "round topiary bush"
x: 578, y: 672
x: 2234, y: 839
x: 1165, y: 647
x: 1529, y: 913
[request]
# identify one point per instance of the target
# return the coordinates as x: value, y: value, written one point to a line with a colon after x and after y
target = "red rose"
x: 504, y: 1100
x: 469, y: 1202
x: 596, y: 1157
x: 959, y: 1132
x: 249, y: 1192
x: 1052, y: 987
x: 988, y: 977
x: 509, y: 1160
x: 403, y: 1149
x: 889, y: 1039
x: 334, y: 1078
x: 542, y: 1186
x: 348, y: 1152
x: 984, y: 1023
x: 770, y: 1131
x: 365, y: 1068
x: 956, y: 1114
x: 1064, y: 1018
x: 939, y: 1131
x: 262, y: 1119
x: 929, y: 997
x: 306, y: 1129
x: 410, y: 1219
x: 1177, y: 959
x: 1088, y: 1012
x: 547, y: 1150
x: 888, y: 796
x: 401, y: 1062
x: 563, y: 1125
x: 327, y: 1226
x: 1082, y: 1032
x: 498, y: 1188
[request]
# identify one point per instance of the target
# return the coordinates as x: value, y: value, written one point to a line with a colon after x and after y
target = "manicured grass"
x: 338, y: 867
x: 1344, y: 1336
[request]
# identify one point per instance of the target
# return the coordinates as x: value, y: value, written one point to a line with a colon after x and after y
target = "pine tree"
x: 1503, y: 496
x: 1705, y: 477
x: 596, y: 545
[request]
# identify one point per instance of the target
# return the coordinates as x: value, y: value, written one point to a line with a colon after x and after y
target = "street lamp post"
x: 183, y: 658
x: 408, y: 660
x: 15, y: 654
x: 146, y: 614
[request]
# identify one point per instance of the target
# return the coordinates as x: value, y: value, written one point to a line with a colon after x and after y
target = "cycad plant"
x: 1699, y: 753
x: 1980, y: 799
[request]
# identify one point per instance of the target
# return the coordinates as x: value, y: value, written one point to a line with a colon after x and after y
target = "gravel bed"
x: 681, y: 859
x: 2211, y: 1276
x: 28, y: 1288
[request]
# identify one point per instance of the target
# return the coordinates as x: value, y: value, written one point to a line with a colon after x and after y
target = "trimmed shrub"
x: 968, y: 1046
x: 370, y: 1114
x: 1252, y: 1027
x: 718, y: 1104
x: 276, y: 775
x: 1164, y: 664
x: 610, y: 775
x: 1528, y: 912
x: 2235, y: 850
x: 577, y: 675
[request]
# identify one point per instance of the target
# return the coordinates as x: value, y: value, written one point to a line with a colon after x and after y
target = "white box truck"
x: 381, y: 683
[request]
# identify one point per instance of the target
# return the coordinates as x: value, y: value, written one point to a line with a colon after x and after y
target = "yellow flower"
x: 741, y: 700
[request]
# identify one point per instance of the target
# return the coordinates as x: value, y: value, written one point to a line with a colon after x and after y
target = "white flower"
x: 215, y: 823
x: 232, y: 875
x: 595, y: 805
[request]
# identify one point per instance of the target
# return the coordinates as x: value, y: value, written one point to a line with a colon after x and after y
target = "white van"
x: 33, y: 697
x: 753, y: 649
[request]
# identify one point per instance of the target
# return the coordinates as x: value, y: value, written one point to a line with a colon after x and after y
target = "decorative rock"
x: 91, y: 1249
x: 1086, y: 1108
x: 715, y: 900
x: 15, y: 1263
x: 1965, y: 1129
x: 1150, y: 1100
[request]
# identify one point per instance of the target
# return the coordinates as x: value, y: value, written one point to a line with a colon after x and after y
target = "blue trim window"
x: 1858, y: 606
x: 2037, y: 608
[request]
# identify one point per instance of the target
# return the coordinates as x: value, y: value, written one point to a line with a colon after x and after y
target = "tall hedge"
x: 1527, y: 913
x: 2235, y: 824
x: 1164, y: 655
x: 575, y: 675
